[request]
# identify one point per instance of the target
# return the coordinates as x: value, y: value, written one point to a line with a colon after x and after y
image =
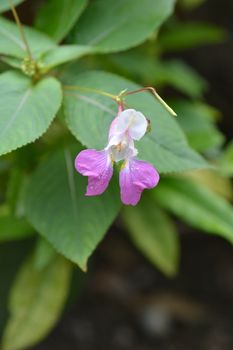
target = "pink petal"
x: 98, y: 167
x: 135, y: 177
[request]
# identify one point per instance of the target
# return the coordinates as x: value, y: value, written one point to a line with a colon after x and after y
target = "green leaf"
x: 13, y: 228
x: 72, y: 223
x: 89, y: 116
x: 26, y: 110
x: 36, y: 302
x: 12, y: 61
x: 121, y: 24
x: 4, y: 5
x: 226, y: 161
x: 190, y: 4
x: 57, y: 17
x: 213, y: 180
x: 16, y: 187
x: 197, y: 122
x: 185, y: 35
x: 44, y: 254
x: 154, y: 234
x: 11, y: 256
x: 159, y: 73
x: 196, y: 205
x: 11, y: 43
x: 182, y: 77
x: 63, y: 54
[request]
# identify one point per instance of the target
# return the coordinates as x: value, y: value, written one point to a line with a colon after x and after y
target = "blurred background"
x: 124, y: 303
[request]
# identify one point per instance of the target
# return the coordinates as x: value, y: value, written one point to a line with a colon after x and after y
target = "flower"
x: 135, y: 175
x: 98, y: 166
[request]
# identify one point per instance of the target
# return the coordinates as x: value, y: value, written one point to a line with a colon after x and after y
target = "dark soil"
x: 127, y: 304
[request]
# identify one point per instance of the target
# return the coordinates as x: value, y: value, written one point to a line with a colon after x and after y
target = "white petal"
x: 114, y: 140
x: 132, y: 151
x: 138, y: 127
x: 112, y: 129
x: 133, y: 122
x: 120, y: 147
x: 124, y: 120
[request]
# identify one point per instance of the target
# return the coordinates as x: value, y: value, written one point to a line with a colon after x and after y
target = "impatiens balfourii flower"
x: 135, y: 175
x: 98, y: 166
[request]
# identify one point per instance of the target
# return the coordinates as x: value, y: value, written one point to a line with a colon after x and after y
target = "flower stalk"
x: 21, y: 30
x: 119, y: 99
x: 156, y: 95
x: 85, y: 89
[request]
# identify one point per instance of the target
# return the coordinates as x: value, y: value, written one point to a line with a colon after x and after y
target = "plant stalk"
x: 85, y: 89
x: 21, y: 30
x: 153, y: 91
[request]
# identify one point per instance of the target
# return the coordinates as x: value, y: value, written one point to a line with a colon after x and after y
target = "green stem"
x: 163, y: 103
x: 20, y: 27
x: 85, y: 89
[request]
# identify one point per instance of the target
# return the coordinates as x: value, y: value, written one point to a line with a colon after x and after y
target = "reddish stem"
x: 120, y: 107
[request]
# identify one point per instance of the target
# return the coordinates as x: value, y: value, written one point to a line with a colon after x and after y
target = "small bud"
x: 29, y: 66
x: 122, y: 92
x: 149, y: 128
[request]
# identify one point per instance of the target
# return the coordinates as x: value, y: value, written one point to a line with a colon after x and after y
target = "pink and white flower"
x: 135, y: 175
x: 98, y: 166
